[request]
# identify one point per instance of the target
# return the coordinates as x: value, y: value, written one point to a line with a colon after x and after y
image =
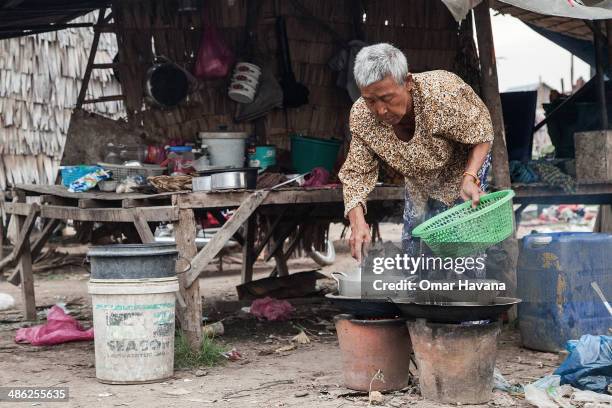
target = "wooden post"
x: 35, y: 249
x: 599, y: 67
x: 501, y: 170
x: 603, y: 222
x: 609, y: 37
x: 248, y: 252
x: 25, y: 263
x: 490, y: 93
x: 25, y: 228
x: 191, y: 315
x: 2, y: 230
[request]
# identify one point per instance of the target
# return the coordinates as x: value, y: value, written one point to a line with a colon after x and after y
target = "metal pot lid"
x: 225, y: 169
x: 133, y: 250
x: 223, y: 135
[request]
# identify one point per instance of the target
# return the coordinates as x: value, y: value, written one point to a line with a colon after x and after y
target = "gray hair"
x: 373, y: 63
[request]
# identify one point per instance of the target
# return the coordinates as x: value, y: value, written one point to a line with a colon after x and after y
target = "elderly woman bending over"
x: 431, y: 127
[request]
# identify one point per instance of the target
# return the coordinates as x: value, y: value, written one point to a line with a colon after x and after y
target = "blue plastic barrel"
x: 554, y: 278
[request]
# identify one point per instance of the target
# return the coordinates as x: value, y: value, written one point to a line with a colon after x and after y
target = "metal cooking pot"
x: 232, y: 178
x: 348, y: 285
x: 201, y: 183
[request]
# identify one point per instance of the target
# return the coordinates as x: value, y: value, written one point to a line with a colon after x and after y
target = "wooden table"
x: 540, y: 193
x: 56, y: 203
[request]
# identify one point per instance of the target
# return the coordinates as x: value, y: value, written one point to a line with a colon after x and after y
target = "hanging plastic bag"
x: 60, y: 328
x: 589, y: 365
x: 214, y: 56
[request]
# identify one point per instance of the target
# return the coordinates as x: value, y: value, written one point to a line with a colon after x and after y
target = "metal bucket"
x: 133, y: 261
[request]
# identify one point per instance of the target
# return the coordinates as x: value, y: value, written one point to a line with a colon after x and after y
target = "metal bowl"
x: 235, y: 179
x: 108, y: 185
x: 455, y: 312
x: 201, y: 183
x: 479, y: 296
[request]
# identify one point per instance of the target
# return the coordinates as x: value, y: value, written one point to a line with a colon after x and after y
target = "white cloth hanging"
x: 460, y: 8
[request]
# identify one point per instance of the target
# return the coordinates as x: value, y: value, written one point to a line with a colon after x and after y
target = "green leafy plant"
x: 211, y: 353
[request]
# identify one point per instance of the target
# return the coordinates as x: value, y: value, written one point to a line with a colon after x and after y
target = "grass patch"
x: 209, y: 355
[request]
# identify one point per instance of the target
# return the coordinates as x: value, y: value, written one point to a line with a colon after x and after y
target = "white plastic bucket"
x: 226, y: 148
x: 134, y: 329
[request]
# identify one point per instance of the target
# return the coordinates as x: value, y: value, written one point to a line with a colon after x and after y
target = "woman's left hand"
x: 471, y: 191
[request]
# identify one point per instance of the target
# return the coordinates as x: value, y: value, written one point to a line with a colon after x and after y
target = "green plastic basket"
x: 463, y: 230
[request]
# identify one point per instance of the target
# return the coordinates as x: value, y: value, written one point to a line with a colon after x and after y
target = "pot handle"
x: 188, y: 265
x: 333, y: 274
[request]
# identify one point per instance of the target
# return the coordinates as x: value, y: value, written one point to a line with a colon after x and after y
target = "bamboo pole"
x: 501, y: 171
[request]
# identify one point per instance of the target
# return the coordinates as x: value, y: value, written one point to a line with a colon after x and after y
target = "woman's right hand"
x: 360, y: 232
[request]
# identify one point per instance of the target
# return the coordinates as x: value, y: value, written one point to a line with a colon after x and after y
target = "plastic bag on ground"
x: 60, y: 328
x: 537, y: 393
x: 589, y: 364
x: 271, y: 309
x: 6, y: 301
x: 500, y: 383
x: 548, y: 393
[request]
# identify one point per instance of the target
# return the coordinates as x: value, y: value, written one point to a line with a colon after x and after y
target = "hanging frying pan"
x: 166, y: 84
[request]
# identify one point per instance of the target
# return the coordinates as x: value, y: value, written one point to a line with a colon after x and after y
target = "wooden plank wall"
x: 423, y: 29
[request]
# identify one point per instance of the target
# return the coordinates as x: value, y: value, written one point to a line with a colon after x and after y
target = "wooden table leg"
x: 216, y: 243
x: 35, y: 248
x: 190, y: 317
x: 603, y: 222
x: 248, y: 251
x: 2, y: 233
x: 144, y: 231
x: 286, y: 255
x: 281, y: 264
x: 27, y: 277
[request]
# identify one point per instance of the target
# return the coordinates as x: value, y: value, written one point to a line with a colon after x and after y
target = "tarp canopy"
x: 582, y: 9
x: 574, y: 9
x: 583, y: 49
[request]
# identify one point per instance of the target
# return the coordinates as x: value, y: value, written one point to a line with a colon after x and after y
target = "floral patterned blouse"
x: 449, y: 119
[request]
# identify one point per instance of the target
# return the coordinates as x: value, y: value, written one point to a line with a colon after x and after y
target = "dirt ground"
x: 308, y: 376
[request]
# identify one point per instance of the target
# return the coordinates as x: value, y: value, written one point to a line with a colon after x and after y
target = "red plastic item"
x: 319, y: 176
x: 60, y: 328
x: 155, y: 154
x: 209, y: 221
x: 215, y: 58
x: 271, y: 309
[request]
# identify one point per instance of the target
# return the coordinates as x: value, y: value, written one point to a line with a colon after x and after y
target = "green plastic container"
x: 310, y: 152
x: 463, y: 230
x: 262, y: 157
